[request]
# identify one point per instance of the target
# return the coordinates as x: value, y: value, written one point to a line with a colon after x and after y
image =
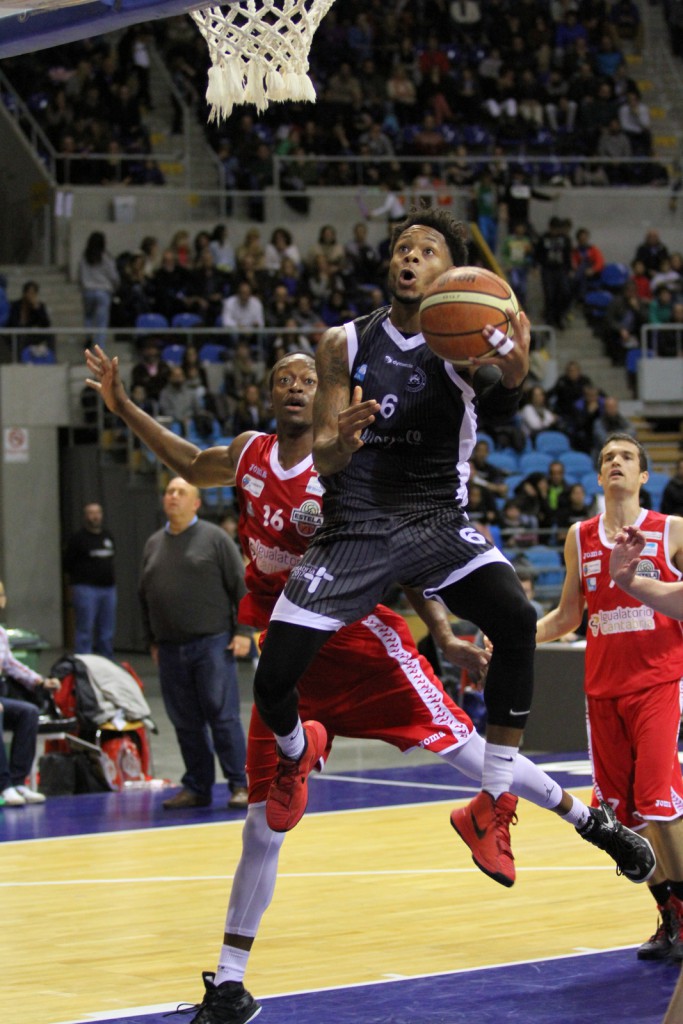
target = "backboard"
x: 28, y: 25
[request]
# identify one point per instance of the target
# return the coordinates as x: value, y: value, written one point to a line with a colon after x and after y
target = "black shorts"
x: 347, y: 569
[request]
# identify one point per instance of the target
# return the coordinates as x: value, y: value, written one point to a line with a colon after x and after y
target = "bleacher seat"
x: 505, y: 460
x: 173, y: 354
x: 534, y: 462
x: 656, y: 482
x: 576, y: 464
x: 595, y: 305
x: 590, y: 484
x: 614, y: 276
x: 554, y: 442
x: 187, y: 320
x: 513, y: 481
x: 212, y: 353
x: 151, y: 321
x: 46, y: 358
x: 483, y: 436
x: 546, y: 563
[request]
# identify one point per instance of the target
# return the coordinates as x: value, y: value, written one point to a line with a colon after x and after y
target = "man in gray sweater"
x: 192, y: 581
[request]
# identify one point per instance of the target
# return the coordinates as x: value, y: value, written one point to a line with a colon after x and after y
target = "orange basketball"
x: 458, y: 305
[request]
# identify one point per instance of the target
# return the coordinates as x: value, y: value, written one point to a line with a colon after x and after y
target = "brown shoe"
x: 239, y: 801
x: 185, y: 799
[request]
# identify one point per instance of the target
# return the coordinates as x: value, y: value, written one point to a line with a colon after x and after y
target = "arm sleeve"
x: 496, y: 402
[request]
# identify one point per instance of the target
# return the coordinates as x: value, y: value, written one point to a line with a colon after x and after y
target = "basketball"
x: 458, y: 305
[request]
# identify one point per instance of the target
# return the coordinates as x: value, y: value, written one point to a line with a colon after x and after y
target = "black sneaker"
x: 632, y: 853
x: 229, y: 1003
x: 658, y: 946
x: 675, y: 928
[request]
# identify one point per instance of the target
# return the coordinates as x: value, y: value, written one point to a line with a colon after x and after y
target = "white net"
x: 259, y: 51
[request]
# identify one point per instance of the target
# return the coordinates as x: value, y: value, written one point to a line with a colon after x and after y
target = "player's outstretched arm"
x: 569, y: 612
x: 666, y: 598
x: 339, y: 415
x: 209, y: 468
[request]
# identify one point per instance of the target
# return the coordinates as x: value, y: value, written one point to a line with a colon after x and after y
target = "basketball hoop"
x: 259, y: 51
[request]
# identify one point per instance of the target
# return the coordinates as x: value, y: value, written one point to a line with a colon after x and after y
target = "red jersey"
x: 280, y: 510
x: 629, y: 647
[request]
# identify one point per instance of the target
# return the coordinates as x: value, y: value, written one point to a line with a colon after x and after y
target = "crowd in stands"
x: 437, y: 81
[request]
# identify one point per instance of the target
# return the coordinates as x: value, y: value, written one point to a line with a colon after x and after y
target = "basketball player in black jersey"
x: 394, y: 427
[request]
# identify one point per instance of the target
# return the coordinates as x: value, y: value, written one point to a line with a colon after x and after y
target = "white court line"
x: 165, y: 1007
x: 390, y: 873
x: 399, y: 785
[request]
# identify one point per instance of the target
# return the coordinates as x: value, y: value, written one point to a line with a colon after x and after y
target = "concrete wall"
x: 25, y: 198
x: 33, y: 403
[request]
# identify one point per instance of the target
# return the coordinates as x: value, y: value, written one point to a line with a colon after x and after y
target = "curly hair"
x: 454, y: 231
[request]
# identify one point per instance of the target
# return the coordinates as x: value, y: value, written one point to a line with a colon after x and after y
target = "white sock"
x: 578, y: 814
x: 499, y: 765
x: 232, y: 964
x: 293, y: 744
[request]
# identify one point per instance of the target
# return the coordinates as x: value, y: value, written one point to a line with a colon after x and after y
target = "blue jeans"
x: 199, y: 687
x: 19, y: 717
x: 96, y: 306
x: 95, y: 619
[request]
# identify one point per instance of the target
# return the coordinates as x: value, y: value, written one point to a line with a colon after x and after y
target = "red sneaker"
x: 484, y: 824
x: 288, y: 793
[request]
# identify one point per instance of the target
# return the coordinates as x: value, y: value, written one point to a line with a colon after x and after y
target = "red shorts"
x: 634, y: 750
x: 368, y: 681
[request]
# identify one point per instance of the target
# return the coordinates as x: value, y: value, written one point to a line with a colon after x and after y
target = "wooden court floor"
x: 114, y: 924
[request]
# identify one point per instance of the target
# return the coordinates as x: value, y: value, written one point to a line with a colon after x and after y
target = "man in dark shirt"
x: 192, y: 581
x: 89, y: 562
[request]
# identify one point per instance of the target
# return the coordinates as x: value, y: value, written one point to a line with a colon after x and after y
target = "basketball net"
x: 259, y: 51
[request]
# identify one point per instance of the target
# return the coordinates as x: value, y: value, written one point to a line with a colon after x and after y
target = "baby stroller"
x: 113, y: 719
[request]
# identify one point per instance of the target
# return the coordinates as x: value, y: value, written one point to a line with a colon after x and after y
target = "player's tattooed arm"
x: 339, y: 413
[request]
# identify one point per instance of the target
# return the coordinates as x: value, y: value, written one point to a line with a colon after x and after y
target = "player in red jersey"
x: 667, y: 598
x: 368, y: 680
x: 633, y: 676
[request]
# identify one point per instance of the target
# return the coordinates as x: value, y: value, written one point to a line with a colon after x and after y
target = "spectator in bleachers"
x: 519, y: 529
x: 243, y: 369
x: 30, y: 311
x: 337, y: 308
x: 517, y: 255
x: 251, y: 253
x: 635, y: 121
x: 252, y: 412
x: 558, y: 488
x: 666, y: 274
x: 281, y: 246
x: 243, y: 313
x: 131, y: 298
x: 586, y: 411
x: 624, y: 316
x: 660, y: 309
x: 206, y: 289
x: 167, y: 286
x: 588, y: 264
x: 567, y: 389
x: 321, y: 280
x: 401, y: 93
x: 531, y: 494
x: 181, y: 247
x: 98, y: 279
x: 651, y: 251
x: 327, y: 246
x: 608, y: 56
x: 641, y: 279
x: 177, y: 399
x: 615, y: 146
x: 553, y: 256
x: 361, y: 258
x: 484, y: 473
x: 672, y: 495
x: 574, y: 510
x: 610, y: 421
x: 151, y: 372
x: 535, y: 413
x: 278, y: 308
x: 481, y: 505
x: 625, y: 17
x: 223, y: 251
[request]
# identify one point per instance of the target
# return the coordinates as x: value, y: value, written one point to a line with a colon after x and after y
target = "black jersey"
x: 415, y: 455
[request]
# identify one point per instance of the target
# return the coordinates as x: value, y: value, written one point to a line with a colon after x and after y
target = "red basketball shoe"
x: 484, y: 824
x: 288, y: 793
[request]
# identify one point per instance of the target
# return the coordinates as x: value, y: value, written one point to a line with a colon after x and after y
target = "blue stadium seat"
x: 151, y: 321
x: 655, y: 485
x: 546, y: 563
x: 590, y: 483
x: 534, y: 462
x: 505, y: 460
x: 46, y: 358
x: 173, y: 354
x: 187, y: 320
x: 554, y: 442
x: 595, y: 304
x: 577, y: 463
x: 614, y: 276
x: 212, y: 353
